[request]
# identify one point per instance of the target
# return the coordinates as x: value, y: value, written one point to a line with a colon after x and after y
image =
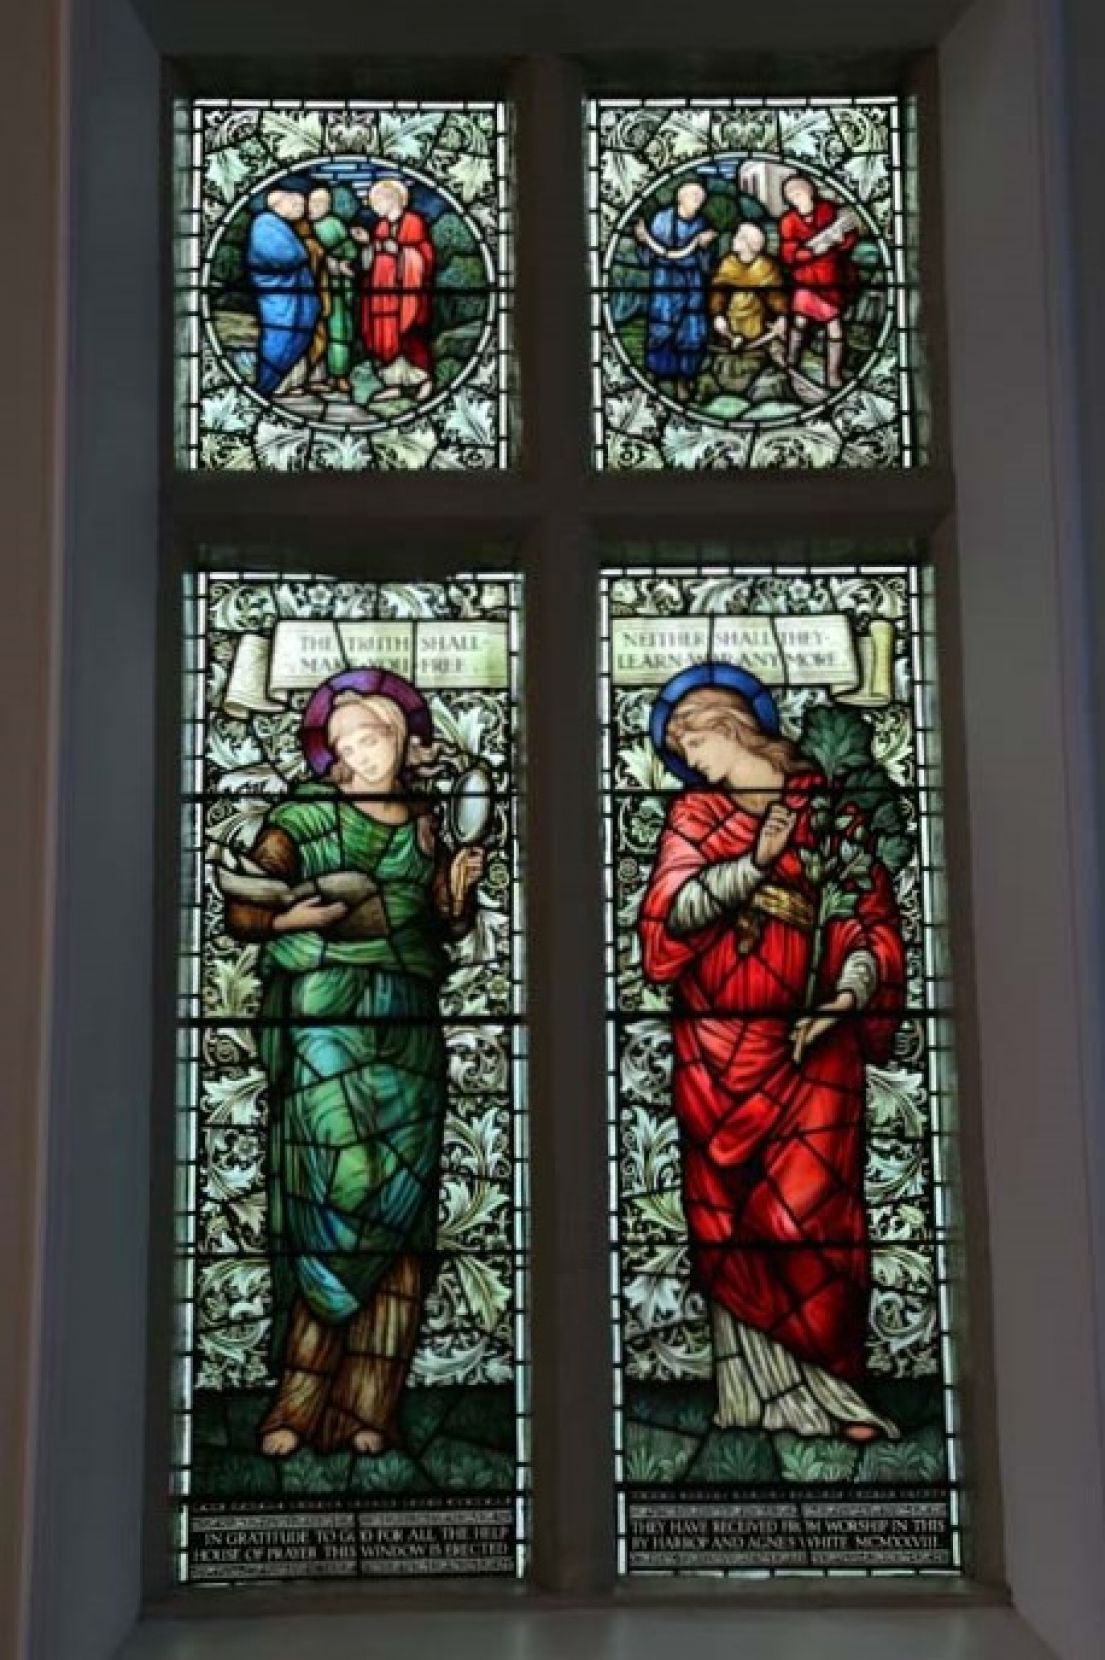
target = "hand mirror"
x: 470, y: 806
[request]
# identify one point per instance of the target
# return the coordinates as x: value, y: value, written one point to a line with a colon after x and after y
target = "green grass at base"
x: 670, y: 1439
x: 451, y: 1440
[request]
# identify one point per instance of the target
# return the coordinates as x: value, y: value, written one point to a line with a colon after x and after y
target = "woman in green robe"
x: 341, y: 263
x: 352, y: 1042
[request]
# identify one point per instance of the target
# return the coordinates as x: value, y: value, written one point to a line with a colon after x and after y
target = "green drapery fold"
x: 334, y: 235
x: 353, y: 1047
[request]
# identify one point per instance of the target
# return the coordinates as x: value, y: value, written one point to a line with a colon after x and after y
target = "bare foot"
x: 279, y: 1443
x: 861, y: 1433
x: 369, y: 1441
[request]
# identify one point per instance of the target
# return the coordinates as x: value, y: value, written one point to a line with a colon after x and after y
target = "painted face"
x: 318, y: 203
x: 289, y: 204
x: 367, y: 746
x: 799, y: 193
x: 388, y: 200
x: 747, y: 242
x: 690, y: 199
x: 711, y: 752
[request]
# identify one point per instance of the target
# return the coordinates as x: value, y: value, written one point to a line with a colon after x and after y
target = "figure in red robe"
x: 397, y: 275
x: 769, y: 1082
x: 816, y: 239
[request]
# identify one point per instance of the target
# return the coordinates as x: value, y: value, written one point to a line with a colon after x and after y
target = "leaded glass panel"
x: 351, y: 1270
x: 753, y: 284
x: 780, y: 1071
x: 344, y: 285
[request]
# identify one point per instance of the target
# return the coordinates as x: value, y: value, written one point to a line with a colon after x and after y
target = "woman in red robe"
x: 398, y: 261
x: 769, y: 1083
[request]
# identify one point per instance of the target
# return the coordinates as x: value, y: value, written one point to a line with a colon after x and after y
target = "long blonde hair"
x: 718, y: 709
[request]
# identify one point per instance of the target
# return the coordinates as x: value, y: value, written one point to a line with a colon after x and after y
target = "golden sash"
x: 782, y: 904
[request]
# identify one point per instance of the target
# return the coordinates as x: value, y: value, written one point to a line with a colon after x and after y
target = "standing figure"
x: 288, y: 304
x: 320, y: 276
x: 746, y: 298
x: 675, y: 247
x: 816, y: 239
x: 351, y: 1039
x: 340, y: 250
x: 769, y: 1080
x: 397, y: 275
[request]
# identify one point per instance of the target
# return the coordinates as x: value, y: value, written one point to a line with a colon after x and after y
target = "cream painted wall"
x: 30, y: 128
x: 90, y: 1383
x: 1084, y: 44
x: 1030, y: 753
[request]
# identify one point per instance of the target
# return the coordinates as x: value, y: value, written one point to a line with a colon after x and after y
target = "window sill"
x: 542, y: 1632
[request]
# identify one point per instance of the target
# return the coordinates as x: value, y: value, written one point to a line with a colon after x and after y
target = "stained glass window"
x: 780, y: 1071
x: 351, y: 1297
x: 753, y: 283
x: 351, y: 1293
x: 343, y: 285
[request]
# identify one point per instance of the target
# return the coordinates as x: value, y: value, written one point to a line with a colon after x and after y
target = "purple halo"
x: 369, y: 683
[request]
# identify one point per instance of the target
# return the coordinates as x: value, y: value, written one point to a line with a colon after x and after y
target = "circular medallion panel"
x: 746, y: 293
x: 349, y: 292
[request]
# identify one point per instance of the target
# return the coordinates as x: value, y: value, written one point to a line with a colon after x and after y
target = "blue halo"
x: 727, y: 675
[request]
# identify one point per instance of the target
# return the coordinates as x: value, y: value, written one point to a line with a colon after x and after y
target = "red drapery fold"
x: 395, y: 300
x: 772, y: 1153
x: 824, y: 284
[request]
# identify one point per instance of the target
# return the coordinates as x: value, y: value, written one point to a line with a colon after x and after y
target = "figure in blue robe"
x: 675, y: 246
x: 288, y: 303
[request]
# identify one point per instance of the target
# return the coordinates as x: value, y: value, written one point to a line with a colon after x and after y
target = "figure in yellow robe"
x: 747, y: 296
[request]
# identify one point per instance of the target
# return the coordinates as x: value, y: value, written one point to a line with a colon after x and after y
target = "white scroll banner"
x: 298, y: 656
x: 779, y: 650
